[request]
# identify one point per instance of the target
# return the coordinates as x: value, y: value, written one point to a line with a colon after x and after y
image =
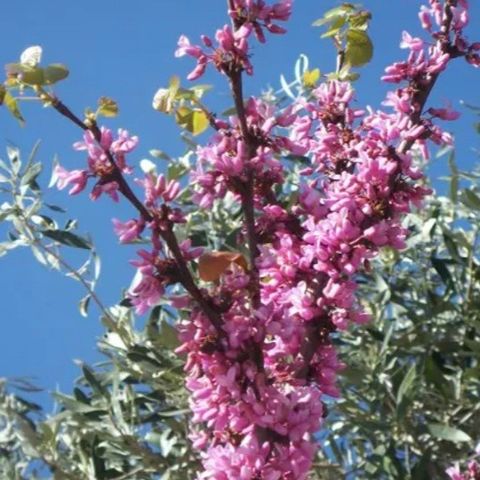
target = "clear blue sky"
x: 124, y: 49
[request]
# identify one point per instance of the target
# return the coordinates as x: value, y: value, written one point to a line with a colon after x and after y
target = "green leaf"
x: 14, y: 158
x: 176, y: 170
x: 156, y: 153
x: 174, y: 85
x: 12, y: 105
x: 199, y: 90
x: 107, y: 107
x: 168, y: 336
x: 35, y: 75
x: 195, y: 121
x: 55, y: 208
x: 406, y: 384
x: 165, y: 98
x: 174, y: 413
x: 67, y: 238
x: 359, y: 50
x: 84, y: 304
x: 311, y: 77
x: 94, y: 382
x: 334, y: 28
x: 298, y: 158
x: 440, y: 265
x: 470, y: 199
x: 3, y: 91
x: 31, y: 174
x: 444, y: 432
x: 360, y: 20
x: 347, y: 75
x: 320, y: 22
x: 341, y: 10
x: 75, y: 406
x: 27, y: 74
x: 55, y: 73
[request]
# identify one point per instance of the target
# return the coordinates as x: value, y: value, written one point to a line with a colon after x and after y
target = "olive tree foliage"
x: 126, y: 417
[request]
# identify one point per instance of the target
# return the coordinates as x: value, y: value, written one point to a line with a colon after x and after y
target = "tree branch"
x: 168, y: 236
x: 423, y: 89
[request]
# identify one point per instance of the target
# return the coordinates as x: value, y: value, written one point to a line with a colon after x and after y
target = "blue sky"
x: 125, y: 50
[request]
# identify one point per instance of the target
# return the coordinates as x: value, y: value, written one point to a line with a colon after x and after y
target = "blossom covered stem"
x: 247, y: 192
x: 258, y: 392
x: 423, y: 89
x: 259, y: 356
x: 185, y: 277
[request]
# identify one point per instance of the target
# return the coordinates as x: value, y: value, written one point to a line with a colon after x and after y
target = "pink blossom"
x: 413, y: 43
x: 444, y: 113
x: 76, y: 178
x: 454, y: 473
x: 127, y: 231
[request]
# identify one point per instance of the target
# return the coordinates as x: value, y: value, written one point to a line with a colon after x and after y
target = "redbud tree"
x: 256, y: 321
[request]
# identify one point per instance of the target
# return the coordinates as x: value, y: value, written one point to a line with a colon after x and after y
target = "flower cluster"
x: 472, y: 471
x: 223, y: 164
x: 259, y: 381
x: 260, y: 15
x: 230, y: 51
x: 106, y: 157
x: 259, y: 358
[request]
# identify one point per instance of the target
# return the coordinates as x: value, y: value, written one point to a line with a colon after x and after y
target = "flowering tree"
x: 315, y: 190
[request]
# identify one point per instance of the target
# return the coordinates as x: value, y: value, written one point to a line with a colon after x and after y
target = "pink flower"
x: 127, y: 231
x: 110, y: 188
x: 444, y: 113
x: 153, y: 275
x: 454, y: 473
x: 186, y: 48
x: 413, y: 43
x: 76, y: 178
x: 157, y: 187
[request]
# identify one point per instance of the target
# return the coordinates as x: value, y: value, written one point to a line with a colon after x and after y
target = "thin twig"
x: 130, y: 474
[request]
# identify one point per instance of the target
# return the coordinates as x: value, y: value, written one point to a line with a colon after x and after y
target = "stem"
x: 471, y: 264
x: 168, y: 236
x: 187, y: 280
x: 340, y: 54
x: 66, y: 112
x: 236, y: 85
x: 420, y: 101
x: 130, y: 474
x: 247, y: 192
x: 249, y: 213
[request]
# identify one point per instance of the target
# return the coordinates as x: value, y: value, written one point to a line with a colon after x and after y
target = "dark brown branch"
x: 66, y: 112
x: 247, y: 192
x: 188, y: 281
x: 249, y: 214
x: 168, y: 236
x: 236, y: 85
